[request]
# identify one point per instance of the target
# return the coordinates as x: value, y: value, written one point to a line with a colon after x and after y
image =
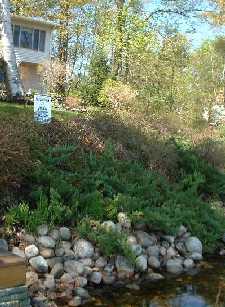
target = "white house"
x: 32, y: 44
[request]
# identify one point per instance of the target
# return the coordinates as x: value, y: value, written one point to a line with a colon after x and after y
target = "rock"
x: 69, y: 255
x: 153, y: 251
x: 47, y: 253
x: 39, y: 301
x: 55, y: 234
x: 31, y: 251
x: 188, y: 264
x: 83, y: 249
x: 82, y: 292
x: 29, y: 239
x: 109, y: 226
x: 96, y: 278
x: 169, y: 239
x: 181, y: 248
x: 87, y: 262
x: 181, y: 231
x: 145, y: 239
x: 80, y: 282
x: 49, y: 282
x: 194, y: 245
x: 65, y: 245
x: 65, y: 233
x: 141, y: 263
x: 52, y: 261
x: 196, y: 256
x: 163, y: 251
x: 171, y: 253
x: 57, y: 270
x: 42, y: 230
x: 31, y: 278
x: 123, y: 265
x: 133, y: 287
x: 73, y: 267
x: 154, y: 276
x: 108, y: 278
x: 76, y: 301
x: 59, y: 252
x: 39, y: 264
x: 3, y: 245
x: 109, y: 268
x: 18, y: 252
x: 154, y: 262
x: 131, y: 240
x: 136, y: 249
x: 87, y: 271
x: 46, y: 241
x: 123, y: 220
x: 174, y: 266
x: 100, y: 262
x: 67, y: 280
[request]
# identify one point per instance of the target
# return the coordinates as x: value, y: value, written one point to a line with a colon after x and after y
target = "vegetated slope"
x: 94, y: 165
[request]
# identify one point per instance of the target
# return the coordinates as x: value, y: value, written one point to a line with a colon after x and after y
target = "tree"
x: 13, y: 77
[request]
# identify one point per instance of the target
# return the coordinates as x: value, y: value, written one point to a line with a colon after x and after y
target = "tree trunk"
x: 13, y: 77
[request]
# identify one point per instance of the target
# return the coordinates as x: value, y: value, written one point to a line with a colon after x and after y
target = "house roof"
x: 34, y: 20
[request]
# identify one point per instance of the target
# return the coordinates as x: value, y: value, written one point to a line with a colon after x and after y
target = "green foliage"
x: 110, y: 242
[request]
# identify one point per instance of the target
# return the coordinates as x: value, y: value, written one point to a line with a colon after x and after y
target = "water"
x: 205, y: 289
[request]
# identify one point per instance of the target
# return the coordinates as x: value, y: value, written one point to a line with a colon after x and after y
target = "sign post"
x: 42, y: 109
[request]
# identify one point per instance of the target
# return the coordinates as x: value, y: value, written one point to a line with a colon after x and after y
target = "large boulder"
x: 46, y: 241
x: 83, y: 249
x: 39, y: 264
x: 174, y: 266
x: 193, y: 245
x: 31, y: 251
x: 145, y: 239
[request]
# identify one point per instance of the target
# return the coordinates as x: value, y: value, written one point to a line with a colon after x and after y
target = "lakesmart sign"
x: 42, y: 109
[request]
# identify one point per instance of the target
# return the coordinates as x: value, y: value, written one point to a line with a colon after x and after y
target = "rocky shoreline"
x: 61, y: 265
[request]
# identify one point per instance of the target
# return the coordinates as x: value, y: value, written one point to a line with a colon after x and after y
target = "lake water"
x: 205, y: 289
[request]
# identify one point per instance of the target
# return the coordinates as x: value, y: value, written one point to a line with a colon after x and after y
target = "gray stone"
x: 194, y: 245
x: 96, y: 278
x: 83, y: 249
x: 180, y: 246
x: 181, y: 231
x: 154, y: 262
x: 169, y: 239
x: 47, y: 253
x: 141, y: 263
x: 59, y: 252
x: 131, y: 240
x: 163, y: 251
x: 109, y: 268
x: 153, y: 251
x: 49, y: 282
x: 3, y: 245
x: 196, y: 256
x: 31, y: 278
x: 80, y: 282
x: 109, y: 226
x: 42, y: 230
x: 52, y: 261
x: 73, y: 267
x: 82, y: 292
x: 65, y: 233
x: 145, y: 239
x: 29, y: 239
x: 66, y: 280
x: 136, y: 249
x: 57, y: 270
x: 39, y: 264
x: 188, y: 264
x: 123, y: 265
x: 174, y: 266
x: 69, y: 255
x: 101, y: 262
x: 108, y: 279
x: 55, y: 234
x: 87, y: 262
x: 31, y: 251
x: 154, y: 276
x: 171, y: 253
x: 65, y: 245
x: 18, y: 252
x: 46, y: 241
x: 76, y: 301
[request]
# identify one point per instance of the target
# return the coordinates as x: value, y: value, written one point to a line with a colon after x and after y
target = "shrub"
x: 116, y: 94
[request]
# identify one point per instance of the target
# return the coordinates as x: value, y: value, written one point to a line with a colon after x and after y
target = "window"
x: 29, y: 38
